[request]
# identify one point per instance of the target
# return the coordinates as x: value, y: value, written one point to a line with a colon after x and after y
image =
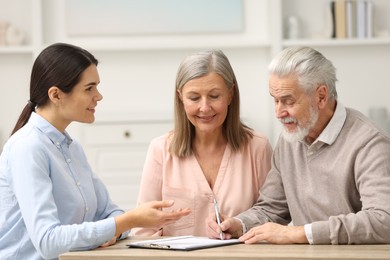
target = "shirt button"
x: 78, y: 183
x: 86, y: 209
x: 68, y: 160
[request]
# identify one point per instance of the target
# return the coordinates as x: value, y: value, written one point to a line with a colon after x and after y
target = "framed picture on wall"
x: 163, y: 24
x: 152, y: 17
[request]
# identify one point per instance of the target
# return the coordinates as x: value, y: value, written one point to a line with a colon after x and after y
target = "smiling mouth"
x: 288, y: 123
x: 206, y: 118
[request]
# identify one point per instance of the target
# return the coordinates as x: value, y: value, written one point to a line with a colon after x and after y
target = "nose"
x: 205, y: 105
x: 280, y: 110
x: 98, y: 96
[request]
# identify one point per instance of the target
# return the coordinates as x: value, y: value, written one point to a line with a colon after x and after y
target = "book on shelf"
x: 369, y: 8
x: 361, y: 19
x: 352, y: 18
x: 340, y: 19
x: 332, y: 10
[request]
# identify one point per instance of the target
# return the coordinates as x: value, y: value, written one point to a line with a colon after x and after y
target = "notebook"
x: 184, y: 243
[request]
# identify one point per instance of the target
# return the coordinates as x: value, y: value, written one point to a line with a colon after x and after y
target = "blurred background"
x: 140, y: 44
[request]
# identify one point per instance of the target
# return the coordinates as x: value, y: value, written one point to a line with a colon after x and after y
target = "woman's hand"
x: 149, y: 215
x: 109, y: 243
x: 230, y: 227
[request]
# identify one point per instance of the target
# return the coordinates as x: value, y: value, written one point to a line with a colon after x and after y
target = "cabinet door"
x: 117, y: 154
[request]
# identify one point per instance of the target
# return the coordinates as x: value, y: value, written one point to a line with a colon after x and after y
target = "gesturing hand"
x: 150, y: 215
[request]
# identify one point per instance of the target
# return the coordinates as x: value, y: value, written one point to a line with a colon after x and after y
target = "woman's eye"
x: 89, y: 88
x: 214, y: 96
x: 193, y: 98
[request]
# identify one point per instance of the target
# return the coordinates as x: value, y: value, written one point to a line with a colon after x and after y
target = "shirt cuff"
x: 309, y: 234
x: 243, y: 225
x: 124, y: 235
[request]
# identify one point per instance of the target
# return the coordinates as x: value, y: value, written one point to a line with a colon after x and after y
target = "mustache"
x: 286, y: 120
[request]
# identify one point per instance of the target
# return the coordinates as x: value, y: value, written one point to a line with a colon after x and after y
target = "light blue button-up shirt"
x: 50, y: 200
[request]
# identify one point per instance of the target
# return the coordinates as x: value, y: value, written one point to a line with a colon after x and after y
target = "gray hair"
x: 201, y: 63
x: 195, y: 66
x: 310, y: 67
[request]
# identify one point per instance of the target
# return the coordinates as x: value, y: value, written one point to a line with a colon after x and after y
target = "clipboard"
x: 183, y: 243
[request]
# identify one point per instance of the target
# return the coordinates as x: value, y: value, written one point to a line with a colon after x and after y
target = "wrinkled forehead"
x: 282, y: 86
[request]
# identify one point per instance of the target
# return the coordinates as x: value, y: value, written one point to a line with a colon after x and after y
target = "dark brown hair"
x: 60, y: 65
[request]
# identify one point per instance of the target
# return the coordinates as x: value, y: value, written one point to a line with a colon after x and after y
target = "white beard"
x: 302, y: 131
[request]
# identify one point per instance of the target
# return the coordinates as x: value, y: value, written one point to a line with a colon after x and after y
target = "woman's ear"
x: 179, y: 94
x: 54, y: 94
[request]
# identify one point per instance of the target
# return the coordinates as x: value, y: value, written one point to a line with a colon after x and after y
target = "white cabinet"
x: 116, y: 152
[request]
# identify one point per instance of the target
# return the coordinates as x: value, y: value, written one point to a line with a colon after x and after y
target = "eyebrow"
x: 210, y: 91
x: 91, y: 84
x: 282, y: 97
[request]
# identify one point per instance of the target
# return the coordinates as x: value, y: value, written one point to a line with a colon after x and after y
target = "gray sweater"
x: 340, y: 184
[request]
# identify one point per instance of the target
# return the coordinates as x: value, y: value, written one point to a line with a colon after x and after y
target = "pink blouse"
x: 166, y: 177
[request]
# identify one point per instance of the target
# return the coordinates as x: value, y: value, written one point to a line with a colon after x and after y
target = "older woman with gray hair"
x: 210, y: 154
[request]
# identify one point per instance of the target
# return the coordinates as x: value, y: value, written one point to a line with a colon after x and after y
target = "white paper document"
x: 185, y: 243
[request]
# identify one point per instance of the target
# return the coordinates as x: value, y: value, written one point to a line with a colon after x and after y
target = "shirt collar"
x: 333, y: 129
x: 45, y: 127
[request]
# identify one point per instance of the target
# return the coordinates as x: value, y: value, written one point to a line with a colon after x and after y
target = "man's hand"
x: 275, y: 234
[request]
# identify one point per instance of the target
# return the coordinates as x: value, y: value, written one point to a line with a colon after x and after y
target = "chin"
x: 294, y: 136
x: 289, y: 137
x: 87, y: 121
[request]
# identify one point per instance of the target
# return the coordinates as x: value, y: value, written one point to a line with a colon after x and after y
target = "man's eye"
x: 289, y: 102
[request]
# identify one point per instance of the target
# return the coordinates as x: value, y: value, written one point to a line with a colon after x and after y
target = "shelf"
x: 168, y: 42
x: 337, y: 42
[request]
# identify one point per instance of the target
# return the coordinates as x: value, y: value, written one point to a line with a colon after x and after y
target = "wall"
x: 142, y: 80
x: 13, y: 90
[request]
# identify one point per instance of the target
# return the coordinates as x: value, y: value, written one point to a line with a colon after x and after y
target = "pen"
x: 217, y: 215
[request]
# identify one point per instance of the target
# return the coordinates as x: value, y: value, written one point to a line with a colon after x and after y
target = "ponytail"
x: 24, y: 116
